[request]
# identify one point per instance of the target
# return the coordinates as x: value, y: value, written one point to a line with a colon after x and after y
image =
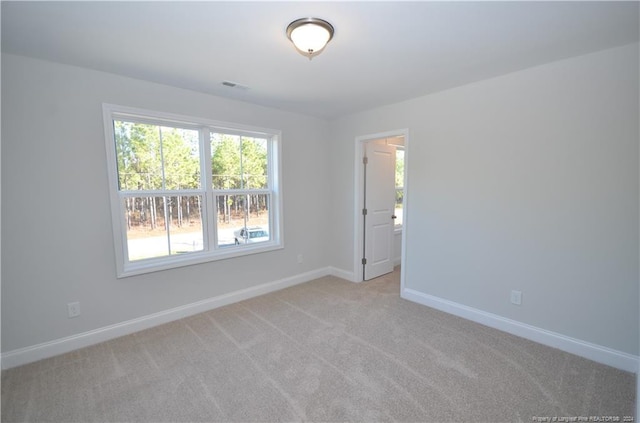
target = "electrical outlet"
x: 516, y: 297
x: 300, y: 258
x: 73, y: 309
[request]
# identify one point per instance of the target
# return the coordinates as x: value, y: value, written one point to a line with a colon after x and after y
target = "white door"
x: 379, y: 200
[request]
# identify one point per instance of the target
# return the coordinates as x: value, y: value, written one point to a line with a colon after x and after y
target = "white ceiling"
x: 382, y: 52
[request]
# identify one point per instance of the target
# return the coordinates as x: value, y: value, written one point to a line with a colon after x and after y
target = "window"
x: 399, y: 186
x: 187, y: 190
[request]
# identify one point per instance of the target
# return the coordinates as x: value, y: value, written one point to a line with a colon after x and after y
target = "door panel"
x: 380, y: 240
x: 380, y: 205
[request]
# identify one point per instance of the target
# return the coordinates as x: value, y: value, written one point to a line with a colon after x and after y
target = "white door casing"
x: 379, y: 208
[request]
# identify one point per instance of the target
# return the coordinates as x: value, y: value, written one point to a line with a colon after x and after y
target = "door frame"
x: 358, y: 221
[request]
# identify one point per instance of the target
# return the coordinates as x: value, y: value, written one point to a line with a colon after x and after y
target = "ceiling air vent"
x: 232, y: 84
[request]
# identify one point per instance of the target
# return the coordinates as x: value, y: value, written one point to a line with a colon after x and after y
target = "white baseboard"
x: 585, y: 349
x: 342, y: 274
x: 638, y: 394
x: 598, y: 353
x: 63, y: 345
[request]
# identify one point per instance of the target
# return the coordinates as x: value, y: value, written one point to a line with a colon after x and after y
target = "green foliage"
x: 138, y: 151
x: 238, y: 162
x: 225, y: 161
x: 151, y: 157
x: 180, y: 150
x: 399, y: 168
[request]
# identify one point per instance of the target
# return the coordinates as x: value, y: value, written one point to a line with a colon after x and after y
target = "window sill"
x: 156, y: 265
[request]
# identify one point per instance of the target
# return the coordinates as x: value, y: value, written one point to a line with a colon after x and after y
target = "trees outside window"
x: 399, y: 186
x: 183, y: 189
x: 240, y: 178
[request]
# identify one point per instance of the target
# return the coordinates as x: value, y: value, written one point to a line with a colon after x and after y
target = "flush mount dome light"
x: 310, y: 35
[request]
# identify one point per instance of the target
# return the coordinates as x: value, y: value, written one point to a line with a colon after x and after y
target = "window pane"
x: 258, y: 218
x: 399, y: 168
x: 181, y: 158
x: 242, y: 219
x: 152, y: 157
x: 185, y: 224
x: 238, y: 162
x: 399, y: 185
x: 150, y: 235
x: 138, y: 156
x: 225, y: 161
x: 254, y: 163
x: 146, y: 234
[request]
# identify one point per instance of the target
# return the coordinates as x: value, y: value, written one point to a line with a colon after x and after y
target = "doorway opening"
x: 380, y: 219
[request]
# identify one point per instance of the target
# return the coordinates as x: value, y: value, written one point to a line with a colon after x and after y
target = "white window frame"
x: 211, y: 251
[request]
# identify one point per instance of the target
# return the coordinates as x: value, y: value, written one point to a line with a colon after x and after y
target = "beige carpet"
x: 325, y: 351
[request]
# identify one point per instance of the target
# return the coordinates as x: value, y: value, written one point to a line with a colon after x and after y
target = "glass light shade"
x: 310, y: 38
x: 310, y: 35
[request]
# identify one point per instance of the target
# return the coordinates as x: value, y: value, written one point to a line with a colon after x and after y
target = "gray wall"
x: 57, y: 243
x: 527, y: 181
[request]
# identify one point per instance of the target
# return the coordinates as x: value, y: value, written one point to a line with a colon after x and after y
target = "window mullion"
x: 255, y: 191
x: 160, y: 193
x: 164, y: 186
x: 167, y: 221
x: 210, y: 211
x: 241, y: 168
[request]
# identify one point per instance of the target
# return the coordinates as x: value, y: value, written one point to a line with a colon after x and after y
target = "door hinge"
x: 365, y: 160
x: 364, y: 261
x: 364, y: 212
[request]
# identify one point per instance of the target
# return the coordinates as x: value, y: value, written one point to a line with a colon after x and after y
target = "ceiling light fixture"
x: 310, y: 35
